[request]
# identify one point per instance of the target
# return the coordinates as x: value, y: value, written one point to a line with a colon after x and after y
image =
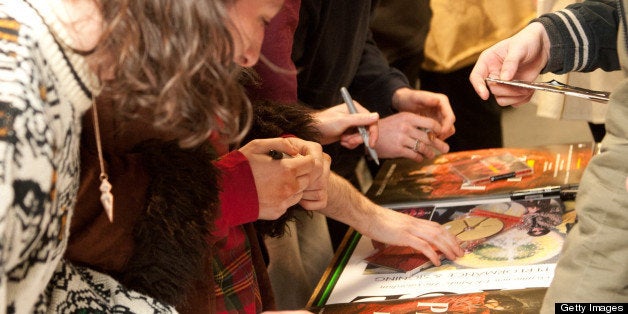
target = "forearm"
x: 594, y: 33
x: 346, y: 204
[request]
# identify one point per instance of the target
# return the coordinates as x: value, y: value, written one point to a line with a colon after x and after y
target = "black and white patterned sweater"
x: 44, y: 91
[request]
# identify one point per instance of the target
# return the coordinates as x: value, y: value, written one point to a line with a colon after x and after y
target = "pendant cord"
x: 103, y: 173
x: 106, y: 197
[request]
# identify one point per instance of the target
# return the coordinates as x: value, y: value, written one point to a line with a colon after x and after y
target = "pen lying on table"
x: 566, y: 192
x: 365, y: 135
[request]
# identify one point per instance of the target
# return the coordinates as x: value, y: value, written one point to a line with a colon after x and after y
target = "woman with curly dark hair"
x: 177, y: 232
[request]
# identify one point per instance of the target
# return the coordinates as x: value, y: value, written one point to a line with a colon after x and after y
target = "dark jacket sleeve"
x: 328, y: 59
x: 583, y: 37
x: 375, y: 82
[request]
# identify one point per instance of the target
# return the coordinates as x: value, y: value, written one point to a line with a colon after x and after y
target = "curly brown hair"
x: 171, y: 63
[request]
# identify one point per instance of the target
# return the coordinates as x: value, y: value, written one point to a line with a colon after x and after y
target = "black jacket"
x: 334, y: 47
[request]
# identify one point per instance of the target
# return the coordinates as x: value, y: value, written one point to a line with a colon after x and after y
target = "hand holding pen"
x: 334, y: 122
x: 277, y: 155
x: 286, y: 182
x: 361, y: 129
x: 315, y: 194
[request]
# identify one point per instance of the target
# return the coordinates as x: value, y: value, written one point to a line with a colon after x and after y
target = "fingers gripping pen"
x: 365, y: 135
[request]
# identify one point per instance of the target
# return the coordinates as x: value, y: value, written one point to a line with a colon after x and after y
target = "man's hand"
x: 391, y: 227
x: 521, y: 57
x: 434, y: 106
x: 283, y: 183
x: 405, y: 135
x: 315, y: 194
x: 337, y: 124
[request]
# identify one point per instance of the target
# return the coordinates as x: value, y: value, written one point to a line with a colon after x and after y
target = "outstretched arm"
x: 348, y: 205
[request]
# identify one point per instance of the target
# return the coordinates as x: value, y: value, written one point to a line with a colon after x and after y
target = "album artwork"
x: 512, y: 239
x: 475, y: 226
x: 491, y: 168
x: 502, y: 301
x: 402, y: 183
x: 508, y: 245
x: 400, y: 259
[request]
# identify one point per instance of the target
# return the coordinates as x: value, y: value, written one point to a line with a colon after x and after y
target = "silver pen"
x: 365, y: 135
x: 558, y: 87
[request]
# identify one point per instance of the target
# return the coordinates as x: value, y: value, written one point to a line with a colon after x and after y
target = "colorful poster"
x: 509, y: 244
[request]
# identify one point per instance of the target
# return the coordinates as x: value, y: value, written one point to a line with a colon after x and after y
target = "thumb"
x: 511, y: 64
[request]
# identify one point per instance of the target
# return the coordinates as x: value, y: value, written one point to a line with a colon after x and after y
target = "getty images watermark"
x: 591, y: 307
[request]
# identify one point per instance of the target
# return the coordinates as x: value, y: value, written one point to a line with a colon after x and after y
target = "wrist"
x: 397, y: 99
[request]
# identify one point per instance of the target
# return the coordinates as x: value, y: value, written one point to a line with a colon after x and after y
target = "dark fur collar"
x: 171, y: 248
x: 171, y: 237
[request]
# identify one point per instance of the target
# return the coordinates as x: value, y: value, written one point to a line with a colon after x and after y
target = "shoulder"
x: 21, y: 73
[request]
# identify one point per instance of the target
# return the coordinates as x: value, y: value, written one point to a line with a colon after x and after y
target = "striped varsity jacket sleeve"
x: 583, y: 37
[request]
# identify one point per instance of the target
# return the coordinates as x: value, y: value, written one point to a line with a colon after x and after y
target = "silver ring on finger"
x: 417, y: 146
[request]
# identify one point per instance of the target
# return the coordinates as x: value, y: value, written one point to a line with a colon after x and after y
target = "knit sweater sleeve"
x: 583, y: 37
x: 26, y: 175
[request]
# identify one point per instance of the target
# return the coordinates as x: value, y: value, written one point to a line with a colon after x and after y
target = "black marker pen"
x: 275, y: 154
x: 503, y: 176
x: 536, y: 193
